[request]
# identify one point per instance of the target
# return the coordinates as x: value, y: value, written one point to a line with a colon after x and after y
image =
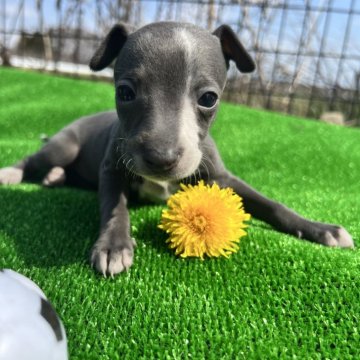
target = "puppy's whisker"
x: 209, y: 161
x: 203, y: 163
x: 125, y: 159
x: 194, y: 174
x: 123, y: 156
x: 199, y: 174
x: 200, y: 177
x: 134, y: 175
x: 184, y: 180
x: 129, y: 170
x: 128, y: 162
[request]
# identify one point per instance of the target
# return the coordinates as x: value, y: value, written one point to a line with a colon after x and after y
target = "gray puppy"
x: 168, y: 78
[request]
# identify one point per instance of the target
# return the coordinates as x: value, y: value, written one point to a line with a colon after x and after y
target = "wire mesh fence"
x: 307, y: 51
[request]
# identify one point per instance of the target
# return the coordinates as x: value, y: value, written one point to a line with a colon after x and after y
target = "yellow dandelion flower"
x: 204, y: 219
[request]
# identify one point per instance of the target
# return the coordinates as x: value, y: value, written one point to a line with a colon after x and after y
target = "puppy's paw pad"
x: 127, y: 258
x: 337, y: 237
x: 112, y: 261
x: 99, y: 261
x: 116, y: 265
x: 55, y: 177
x: 344, y: 239
x: 11, y: 176
x: 119, y: 261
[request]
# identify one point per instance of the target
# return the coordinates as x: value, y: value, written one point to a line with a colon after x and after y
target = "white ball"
x: 29, y: 326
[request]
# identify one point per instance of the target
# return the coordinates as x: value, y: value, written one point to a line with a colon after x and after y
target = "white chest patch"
x: 157, y: 191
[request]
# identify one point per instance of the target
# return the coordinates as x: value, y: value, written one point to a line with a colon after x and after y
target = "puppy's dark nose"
x: 162, y: 160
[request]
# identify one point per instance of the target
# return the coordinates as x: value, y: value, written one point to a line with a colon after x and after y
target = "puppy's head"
x: 168, y: 79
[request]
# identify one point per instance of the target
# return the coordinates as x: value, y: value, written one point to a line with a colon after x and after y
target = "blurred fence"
x: 307, y: 51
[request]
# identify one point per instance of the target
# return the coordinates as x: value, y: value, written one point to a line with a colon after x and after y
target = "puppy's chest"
x: 156, y: 191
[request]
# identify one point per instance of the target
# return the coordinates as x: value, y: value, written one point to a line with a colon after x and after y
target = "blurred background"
x: 307, y: 51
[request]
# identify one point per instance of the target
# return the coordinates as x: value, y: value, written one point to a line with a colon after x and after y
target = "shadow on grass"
x: 56, y: 227
x: 145, y: 219
x: 49, y: 227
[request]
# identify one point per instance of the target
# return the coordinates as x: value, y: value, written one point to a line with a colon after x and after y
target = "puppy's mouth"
x: 169, y: 172
x: 174, y: 170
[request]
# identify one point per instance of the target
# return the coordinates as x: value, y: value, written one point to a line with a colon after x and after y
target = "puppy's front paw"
x: 11, y: 176
x: 329, y: 235
x: 110, y: 257
x: 337, y: 236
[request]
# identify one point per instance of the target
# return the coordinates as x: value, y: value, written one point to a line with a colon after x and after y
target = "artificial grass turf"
x: 278, y: 297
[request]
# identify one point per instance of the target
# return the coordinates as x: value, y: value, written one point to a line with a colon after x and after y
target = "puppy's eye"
x: 125, y: 93
x: 208, y: 100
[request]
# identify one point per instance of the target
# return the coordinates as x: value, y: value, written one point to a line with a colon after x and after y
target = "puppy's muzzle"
x: 162, y: 160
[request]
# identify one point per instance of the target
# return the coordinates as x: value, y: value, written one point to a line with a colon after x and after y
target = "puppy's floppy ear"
x: 110, y: 46
x: 233, y: 49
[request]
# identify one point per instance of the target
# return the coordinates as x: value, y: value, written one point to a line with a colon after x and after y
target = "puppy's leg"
x: 113, y: 252
x: 284, y: 219
x: 11, y: 175
x: 47, y: 164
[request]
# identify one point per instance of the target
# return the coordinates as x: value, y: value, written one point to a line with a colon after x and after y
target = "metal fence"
x: 307, y: 51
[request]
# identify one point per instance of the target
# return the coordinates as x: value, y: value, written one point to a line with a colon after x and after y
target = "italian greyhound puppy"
x: 168, y: 80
